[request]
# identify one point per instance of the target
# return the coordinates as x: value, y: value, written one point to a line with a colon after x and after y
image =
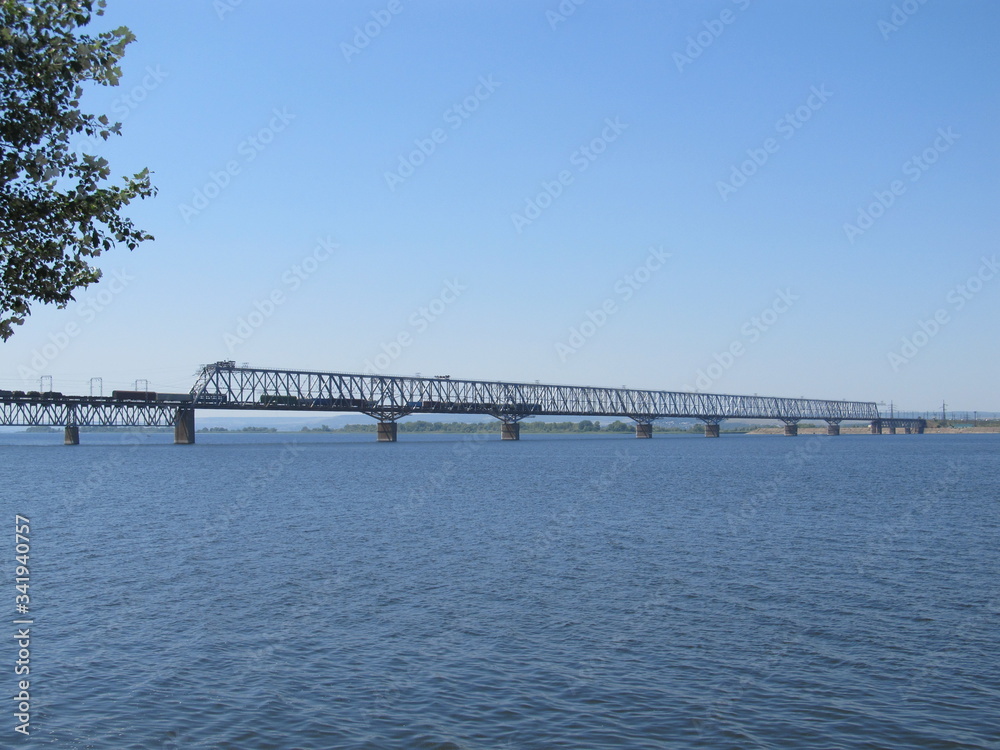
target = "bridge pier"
x: 72, y: 435
x: 510, y: 430
x: 712, y: 426
x: 791, y: 427
x: 832, y: 427
x: 644, y: 430
x: 184, y: 427
x: 387, y: 432
x: 892, y: 426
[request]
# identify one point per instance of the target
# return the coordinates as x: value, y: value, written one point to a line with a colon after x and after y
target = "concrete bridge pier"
x: 876, y: 427
x: 184, y: 427
x: 644, y: 427
x: 711, y: 427
x: 387, y: 432
x: 71, y: 436
x: 791, y: 427
x: 833, y: 427
x: 510, y: 430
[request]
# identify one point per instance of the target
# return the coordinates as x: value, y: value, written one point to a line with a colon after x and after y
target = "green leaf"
x: 57, y: 207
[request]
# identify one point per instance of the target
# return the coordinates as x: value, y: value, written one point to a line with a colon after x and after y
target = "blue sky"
x: 742, y: 197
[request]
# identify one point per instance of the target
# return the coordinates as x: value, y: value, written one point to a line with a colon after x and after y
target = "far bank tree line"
x: 528, y: 426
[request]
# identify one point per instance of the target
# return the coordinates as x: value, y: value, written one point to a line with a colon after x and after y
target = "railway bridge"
x: 387, y: 398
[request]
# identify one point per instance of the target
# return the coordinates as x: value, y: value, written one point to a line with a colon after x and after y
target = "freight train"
x: 36, y: 395
x: 149, y: 397
x: 145, y: 397
x: 306, y: 402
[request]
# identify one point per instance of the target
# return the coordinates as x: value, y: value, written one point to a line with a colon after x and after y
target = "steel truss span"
x: 85, y: 412
x: 389, y: 397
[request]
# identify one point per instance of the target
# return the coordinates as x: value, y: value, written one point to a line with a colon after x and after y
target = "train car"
x: 269, y: 400
x: 439, y: 405
x: 336, y: 403
x: 145, y: 396
x: 6, y: 394
x: 182, y: 397
x: 524, y: 408
x: 213, y: 398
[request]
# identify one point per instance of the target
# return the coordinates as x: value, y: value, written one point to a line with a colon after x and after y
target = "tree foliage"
x: 58, y: 209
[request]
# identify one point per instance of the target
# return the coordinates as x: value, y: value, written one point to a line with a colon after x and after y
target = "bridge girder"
x: 223, y: 385
x: 387, y: 398
x: 86, y: 412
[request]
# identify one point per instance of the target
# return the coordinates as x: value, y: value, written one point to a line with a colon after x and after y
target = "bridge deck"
x: 223, y: 385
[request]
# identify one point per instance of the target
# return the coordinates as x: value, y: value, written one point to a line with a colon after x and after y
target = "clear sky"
x: 782, y: 198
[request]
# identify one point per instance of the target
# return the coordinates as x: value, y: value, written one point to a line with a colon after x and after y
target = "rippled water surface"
x: 460, y: 592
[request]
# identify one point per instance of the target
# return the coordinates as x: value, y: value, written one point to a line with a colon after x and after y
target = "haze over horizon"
x: 730, y: 196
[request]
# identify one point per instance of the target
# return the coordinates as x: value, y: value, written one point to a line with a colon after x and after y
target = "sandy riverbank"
x: 867, y: 431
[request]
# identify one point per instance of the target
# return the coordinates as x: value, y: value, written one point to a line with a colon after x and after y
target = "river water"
x: 459, y: 592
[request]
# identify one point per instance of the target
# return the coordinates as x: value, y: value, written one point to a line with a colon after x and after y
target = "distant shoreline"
x: 885, y: 430
x: 526, y: 429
